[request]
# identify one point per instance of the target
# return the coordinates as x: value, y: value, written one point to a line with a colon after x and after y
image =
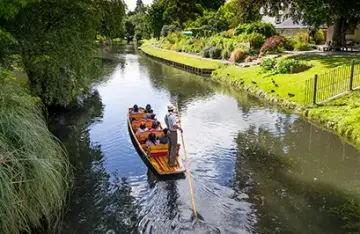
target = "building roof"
x: 289, y: 23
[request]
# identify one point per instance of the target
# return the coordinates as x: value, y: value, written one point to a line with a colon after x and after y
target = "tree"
x: 56, y: 43
x: 213, y: 4
x: 156, y: 18
x: 178, y: 12
x: 142, y: 26
x: 342, y: 14
x: 140, y: 7
x: 10, y: 8
x: 112, y: 15
x: 237, y: 12
x: 210, y: 18
x: 130, y: 30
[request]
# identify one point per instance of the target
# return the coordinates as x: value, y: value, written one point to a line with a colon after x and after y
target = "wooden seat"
x: 143, y: 136
x: 160, y: 150
x: 136, y: 124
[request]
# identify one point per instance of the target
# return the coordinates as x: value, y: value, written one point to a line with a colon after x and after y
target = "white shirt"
x: 141, y: 130
x: 149, y: 143
x: 171, y: 120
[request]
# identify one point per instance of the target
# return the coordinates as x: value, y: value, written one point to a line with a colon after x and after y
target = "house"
x: 287, y: 26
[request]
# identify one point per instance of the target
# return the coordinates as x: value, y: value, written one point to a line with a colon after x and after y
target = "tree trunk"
x: 339, y: 32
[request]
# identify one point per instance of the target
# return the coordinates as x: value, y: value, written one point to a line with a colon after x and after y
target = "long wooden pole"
x: 187, y: 167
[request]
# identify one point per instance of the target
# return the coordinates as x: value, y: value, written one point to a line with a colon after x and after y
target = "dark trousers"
x: 173, y: 139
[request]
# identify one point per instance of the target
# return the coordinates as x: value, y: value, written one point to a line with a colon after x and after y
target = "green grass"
x: 181, y: 58
x: 287, y: 83
x: 33, y: 166
x: 341, y: 115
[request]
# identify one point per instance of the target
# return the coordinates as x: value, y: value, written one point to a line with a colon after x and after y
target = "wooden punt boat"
x: 157, y: 155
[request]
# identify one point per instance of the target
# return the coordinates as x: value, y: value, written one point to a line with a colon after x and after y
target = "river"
x: 255, y: 169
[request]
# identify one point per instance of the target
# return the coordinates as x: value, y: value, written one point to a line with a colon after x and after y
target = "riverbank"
x: 286, y: 90
x: 34, y: 166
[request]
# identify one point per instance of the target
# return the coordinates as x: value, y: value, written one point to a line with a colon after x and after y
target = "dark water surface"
x: 255, y: 169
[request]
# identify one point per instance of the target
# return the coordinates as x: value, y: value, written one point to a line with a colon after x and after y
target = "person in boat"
x: 135, y: 109
x: 164, y: 139
x: 171, y: 123
x: 148, y: 107
x: 151, y: 140
x: 155, y: 126
x: 149, y: 114
x: 142, y: 128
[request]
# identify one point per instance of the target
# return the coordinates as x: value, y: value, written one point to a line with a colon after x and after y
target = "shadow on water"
x: 97, y: 204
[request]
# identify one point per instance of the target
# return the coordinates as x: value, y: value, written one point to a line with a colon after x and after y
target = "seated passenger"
x: 135, y: 109
x: 164, y: 138
x: 151, y: 141
x: 149, y: 114
x: 142, y: 128
x: 133, y: 119
x: 148, y: 107
x: 155, y: 126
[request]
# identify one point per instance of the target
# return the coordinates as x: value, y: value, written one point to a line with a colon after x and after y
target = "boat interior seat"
x: 136, y: 124
x: 143, y: 136
x: 158, y: 150
x: 137, y: 116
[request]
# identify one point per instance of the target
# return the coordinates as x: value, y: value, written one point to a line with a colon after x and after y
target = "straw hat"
x: 170, y: 108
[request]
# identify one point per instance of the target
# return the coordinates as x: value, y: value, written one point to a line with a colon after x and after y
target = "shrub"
x: 229, y: 33
x: 138, y: 36
x: 215, y: 53
x: 273, y: 45
x: 206, y: 52
x: 268, y: 64
x: 302, y: 46
x: 303, y: 37
x: 176, y: 47
x: 237, y: 55
x: 281, y: 66
x: 319, y: 37
x: 167, y: 46
x: 203, y: 31
x: 168, y: 29
x: 289, y: 43
x: 266, y: 29
x: 225, y: 53
x: 175, y: 37
x: 255, y: 39
x: 284, y: 66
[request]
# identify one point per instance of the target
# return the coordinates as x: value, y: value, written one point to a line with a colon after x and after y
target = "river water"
x: 254, y: 169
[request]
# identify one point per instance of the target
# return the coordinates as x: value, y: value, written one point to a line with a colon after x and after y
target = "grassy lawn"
x: 287, y: 83
x: 181, y: 58
x: 341, y: 115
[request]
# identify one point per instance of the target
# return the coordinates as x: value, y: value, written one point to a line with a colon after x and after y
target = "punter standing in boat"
x: 171, y: 122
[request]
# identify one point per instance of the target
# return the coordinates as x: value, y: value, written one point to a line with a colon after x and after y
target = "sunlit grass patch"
x: 181, y: 58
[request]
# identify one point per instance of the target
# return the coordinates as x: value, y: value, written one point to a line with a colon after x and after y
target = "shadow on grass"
x: 330, y: 61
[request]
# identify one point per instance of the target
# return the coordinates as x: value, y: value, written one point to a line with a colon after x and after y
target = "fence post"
x: 352, y: 74
x: 315, y: 88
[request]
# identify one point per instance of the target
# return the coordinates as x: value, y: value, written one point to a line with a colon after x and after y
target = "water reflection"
x: 183, y: 87
x: 96, y: 203
x: 295, y: 191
